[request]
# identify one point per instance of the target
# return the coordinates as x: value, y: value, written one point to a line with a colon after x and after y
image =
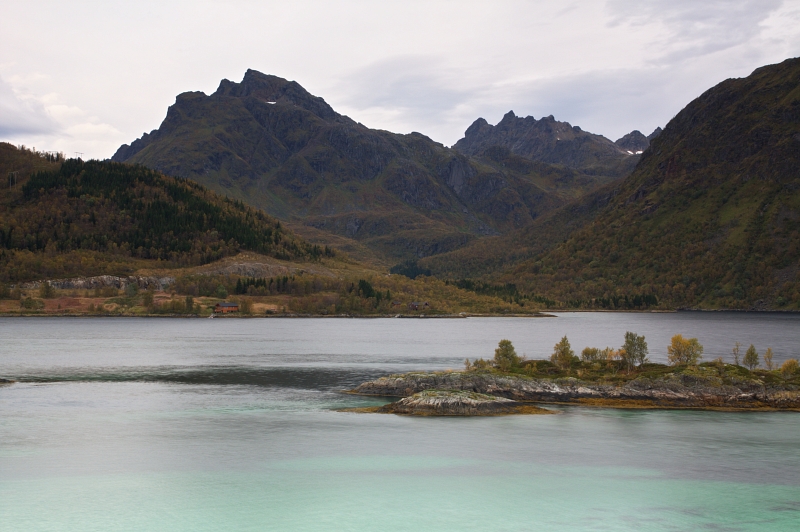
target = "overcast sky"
x: 87, y: 76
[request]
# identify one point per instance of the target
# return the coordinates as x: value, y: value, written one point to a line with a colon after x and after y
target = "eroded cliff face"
x: 679, y: 391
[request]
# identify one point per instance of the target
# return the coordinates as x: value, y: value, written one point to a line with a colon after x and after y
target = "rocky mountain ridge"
x: 271, y: 144
x: 553, y: 142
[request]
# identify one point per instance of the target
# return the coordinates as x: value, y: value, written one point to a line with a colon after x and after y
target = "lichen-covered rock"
x: 457, y: 403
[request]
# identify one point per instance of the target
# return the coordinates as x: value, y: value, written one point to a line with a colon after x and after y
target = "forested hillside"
x: 18, y: 163
x: 163, y: 245
x: 85, y: 218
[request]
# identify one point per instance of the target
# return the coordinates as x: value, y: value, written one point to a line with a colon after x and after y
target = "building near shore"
x: 224, y: 308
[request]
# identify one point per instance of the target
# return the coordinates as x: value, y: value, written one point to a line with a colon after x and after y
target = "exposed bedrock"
x: 458, y: 403
x: 675, y: 390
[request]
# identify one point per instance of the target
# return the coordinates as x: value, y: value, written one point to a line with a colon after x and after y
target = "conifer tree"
x: 505, y: 356
x: 562, y: 354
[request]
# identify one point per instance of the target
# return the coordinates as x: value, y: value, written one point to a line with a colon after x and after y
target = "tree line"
x: 632, y: 355
x: 130, y: 211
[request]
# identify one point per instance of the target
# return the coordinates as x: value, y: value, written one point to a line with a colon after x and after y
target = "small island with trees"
x: 617, y: 378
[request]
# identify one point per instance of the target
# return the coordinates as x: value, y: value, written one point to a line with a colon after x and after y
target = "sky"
x: 87, y: 76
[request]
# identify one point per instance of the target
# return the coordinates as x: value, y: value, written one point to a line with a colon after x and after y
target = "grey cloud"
x: 416, y: 85
x: 19, y: 117
x: 695, y: 28
x: 610, y: 103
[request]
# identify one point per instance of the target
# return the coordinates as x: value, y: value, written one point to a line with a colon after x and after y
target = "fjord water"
x: 189, y: 424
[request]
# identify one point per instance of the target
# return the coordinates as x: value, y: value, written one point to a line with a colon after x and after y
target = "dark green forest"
x: 86, y: 216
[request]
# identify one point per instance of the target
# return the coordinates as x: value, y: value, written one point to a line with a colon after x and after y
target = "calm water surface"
x: 188, y: 424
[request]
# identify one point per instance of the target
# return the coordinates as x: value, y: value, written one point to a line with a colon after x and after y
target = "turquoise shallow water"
x: 105, y: 433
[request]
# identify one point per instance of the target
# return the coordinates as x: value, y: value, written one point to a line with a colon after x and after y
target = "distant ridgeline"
x: 87, y: 217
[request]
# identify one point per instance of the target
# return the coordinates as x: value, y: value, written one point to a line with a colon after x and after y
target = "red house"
x: 224, y: 308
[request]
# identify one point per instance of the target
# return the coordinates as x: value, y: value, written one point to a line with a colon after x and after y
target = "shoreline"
x: 275, y: 316
x: 547, y: 313
x: 462, y: 315
x: 674, y: 390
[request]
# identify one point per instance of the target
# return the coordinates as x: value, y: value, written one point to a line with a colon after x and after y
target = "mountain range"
x: 383, y: 197
x: 89, y: 218
x: 706, y: 215
x: 558, y: 143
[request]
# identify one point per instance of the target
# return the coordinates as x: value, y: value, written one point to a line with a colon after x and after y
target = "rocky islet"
x: 670, y: 391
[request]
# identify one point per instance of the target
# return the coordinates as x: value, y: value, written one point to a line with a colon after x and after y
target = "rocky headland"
x: 674, y: 390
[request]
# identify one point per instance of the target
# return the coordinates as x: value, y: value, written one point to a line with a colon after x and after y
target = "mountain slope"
x: 273, y: 145
x: 100, y: 226
x: 709, y: 218
x: 86, y: 218
x: 489, y: 258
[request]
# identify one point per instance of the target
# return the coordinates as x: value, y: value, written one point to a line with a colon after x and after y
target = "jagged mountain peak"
x: 275, y: 90
x: 634, y: 142
x: 547, y: 140
x: 656, y: 132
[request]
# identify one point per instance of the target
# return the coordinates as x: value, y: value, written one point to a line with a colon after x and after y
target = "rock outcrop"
x: 457, y: 403
x: 102, y: 281
x: 634, y: 142
x: 678, y: 391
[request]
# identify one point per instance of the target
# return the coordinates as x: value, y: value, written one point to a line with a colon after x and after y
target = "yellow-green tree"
x: 562, y: 354
x: 751, y: 358
x: 505, y: 356
x: 684, y: 351
x: 147, y: 298
x: 789, y: 368
x: 592, y: 354
x: 635, y: 349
